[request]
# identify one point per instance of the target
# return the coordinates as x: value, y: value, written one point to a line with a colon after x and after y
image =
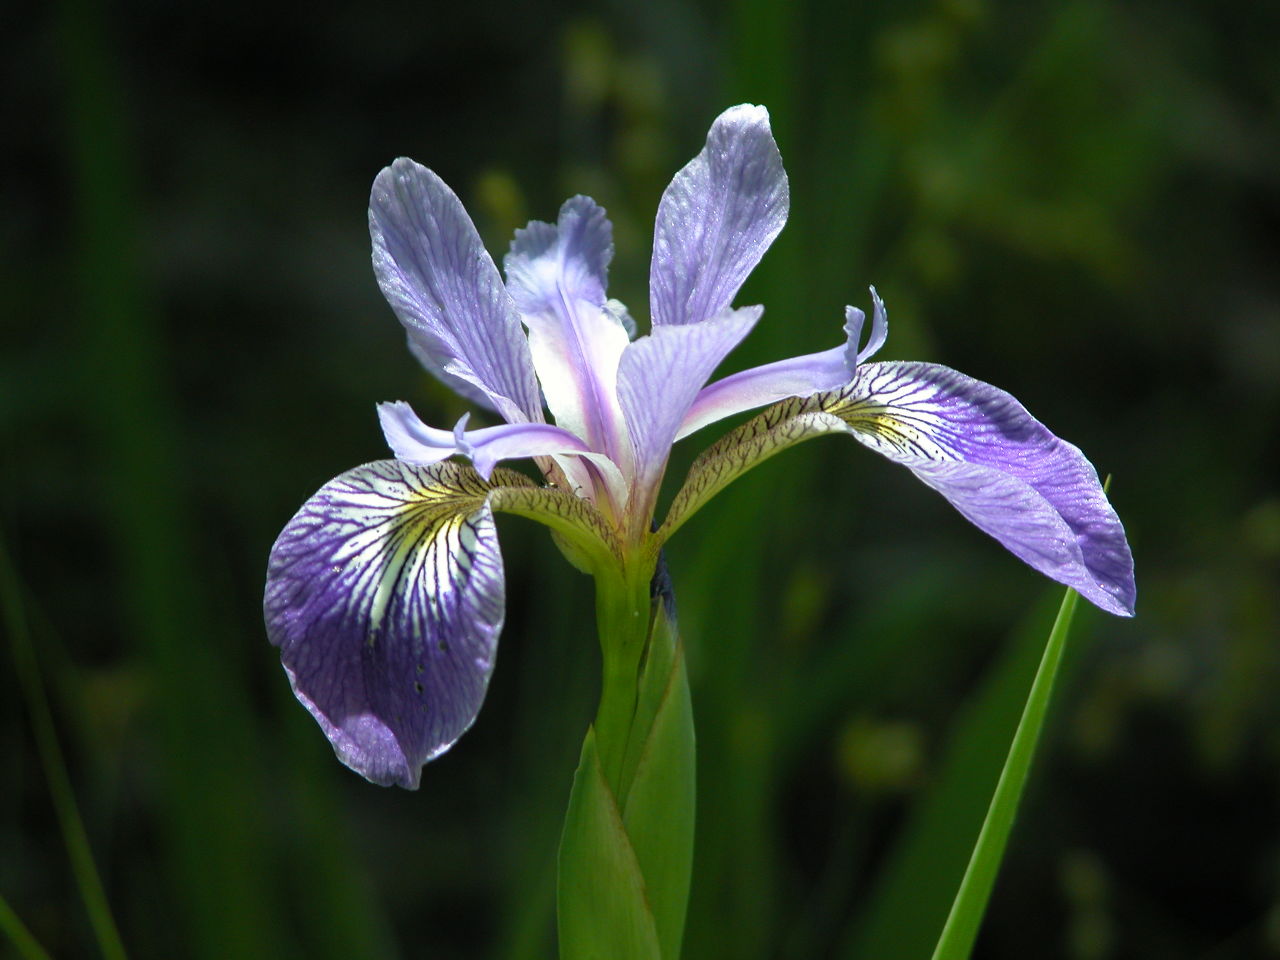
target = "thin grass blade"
x: 55, y: 769
x: 961, y: 929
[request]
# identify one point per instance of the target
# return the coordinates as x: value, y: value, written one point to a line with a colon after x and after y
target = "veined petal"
x: 974, y: 444
x: 557, y: 274
x: 1000, y: 467
x: 445, y: 289
x: 717, y: 218
x: 413, y: 441
x: 385, y: 597
x: 659, y: 377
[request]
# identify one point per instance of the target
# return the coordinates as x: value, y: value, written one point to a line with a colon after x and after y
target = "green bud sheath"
x: 627, y: 848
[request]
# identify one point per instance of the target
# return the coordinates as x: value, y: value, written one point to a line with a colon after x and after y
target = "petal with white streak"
x: 717, y: 218
x: 413, y: 441
x: 557, y: 275
x: 385, y: 596
x: 445, y: 289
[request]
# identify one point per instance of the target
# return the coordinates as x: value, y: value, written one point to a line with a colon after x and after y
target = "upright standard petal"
x: 658, y: 379
x: 999, y: 466
x: 557, y: 275
x: 385, y: 596
x: 444, y: 287
x: 717, y: 218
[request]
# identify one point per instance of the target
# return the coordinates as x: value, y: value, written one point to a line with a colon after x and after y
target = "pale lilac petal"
x: 385, y: 596
x: 717, y: 218
x: 759, y: 386
x: 661, y: 374
x: 1000, y: 467
x: 413, y: 441
x: 853, y: 321
x: 796, y: 377
x: 557, y: 273
x: 445, y: 289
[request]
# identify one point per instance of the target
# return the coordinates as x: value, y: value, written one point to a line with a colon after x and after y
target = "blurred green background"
x: 1076, y: 201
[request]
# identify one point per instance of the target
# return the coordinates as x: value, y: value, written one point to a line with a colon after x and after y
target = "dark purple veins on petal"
x: 1000, y: 467
x: 385, y: 596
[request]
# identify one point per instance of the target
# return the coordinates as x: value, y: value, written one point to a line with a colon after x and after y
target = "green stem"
x: 627, y: 847
x: 55, y: 767
x: 961, y: 929
x: 622, y: 618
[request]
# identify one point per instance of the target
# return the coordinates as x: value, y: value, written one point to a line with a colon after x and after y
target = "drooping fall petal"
x: 385, y: 596
x: 1000, y: 467
x: 973, y: 443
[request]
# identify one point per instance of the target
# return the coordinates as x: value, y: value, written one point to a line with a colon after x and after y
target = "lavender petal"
x: 412, y: 440
x: 385, y: 596
x: 717, y: 218
x: 445, y: 289
x: 1000, y: 467
x: 796, y: 377
x: 557, y: 274
x: 759, y: 386
x: 659, y: 377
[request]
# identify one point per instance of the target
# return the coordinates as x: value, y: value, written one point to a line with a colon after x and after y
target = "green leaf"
x: 659, y: 808
x: 603, y: 910
x: 956, y: 942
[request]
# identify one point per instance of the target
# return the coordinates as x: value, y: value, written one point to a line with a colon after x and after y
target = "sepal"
x: 1002, y: 469
x: 626, y: 853
x: 385, y: 595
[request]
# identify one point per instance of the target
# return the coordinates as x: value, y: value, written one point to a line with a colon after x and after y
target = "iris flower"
x: 385, y: 591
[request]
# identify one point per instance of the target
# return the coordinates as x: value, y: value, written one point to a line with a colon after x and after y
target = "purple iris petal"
x: 412, y: 440
x: 661, y: 374
x: 717, y: 218
x: 557, y: 274
x: 444, y: 287
x: 1001, y: 468
x: 385, y: 596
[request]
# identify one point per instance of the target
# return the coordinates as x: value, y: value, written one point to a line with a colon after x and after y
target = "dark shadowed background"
x: 1076, y: 201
